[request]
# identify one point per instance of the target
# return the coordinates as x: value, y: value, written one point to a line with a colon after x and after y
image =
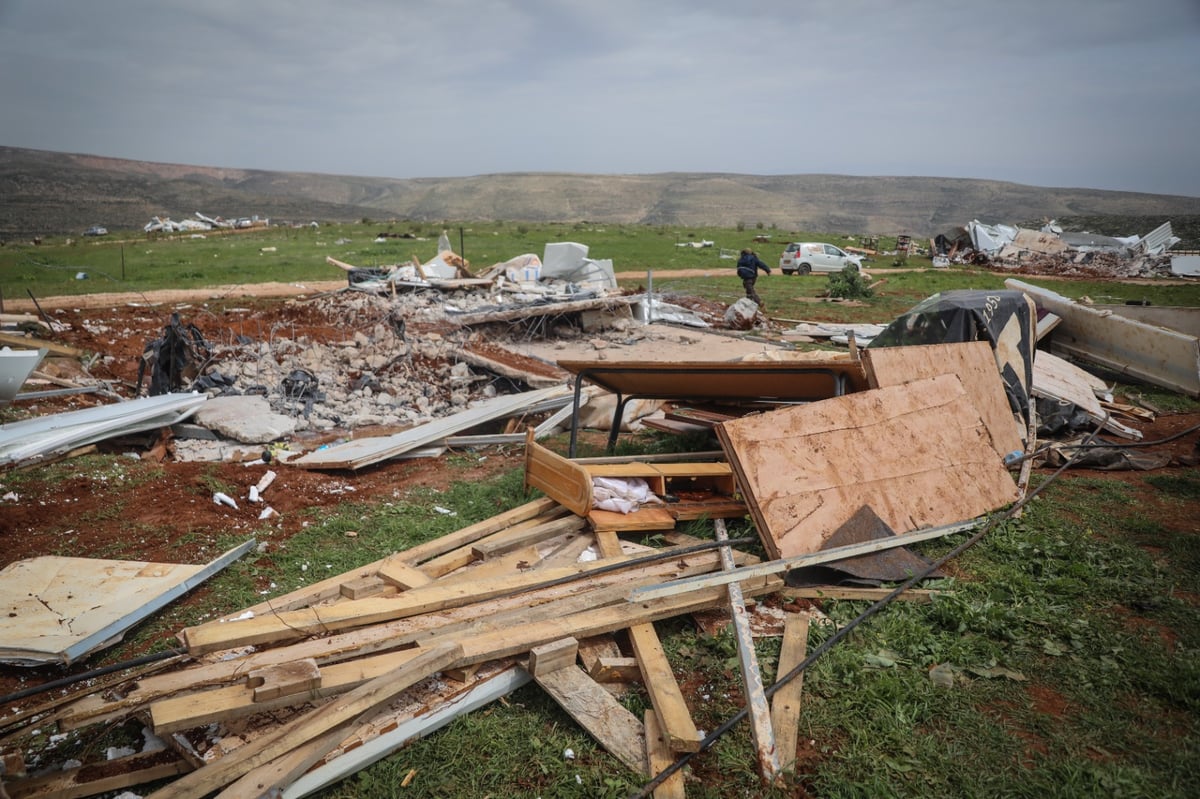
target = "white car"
x: 801, y: 258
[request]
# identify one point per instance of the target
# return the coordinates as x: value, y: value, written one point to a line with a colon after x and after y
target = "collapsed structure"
x: 1052, y: 250
x: 912, y: 438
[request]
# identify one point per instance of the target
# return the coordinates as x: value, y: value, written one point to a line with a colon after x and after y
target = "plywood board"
x: 55, y: 609
x: 975, y: 364
x: 918, y: 454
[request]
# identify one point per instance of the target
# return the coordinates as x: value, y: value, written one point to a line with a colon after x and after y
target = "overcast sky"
x: 1071, y: 93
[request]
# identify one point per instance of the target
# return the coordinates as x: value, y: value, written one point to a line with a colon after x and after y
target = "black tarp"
x: 1006, y: 319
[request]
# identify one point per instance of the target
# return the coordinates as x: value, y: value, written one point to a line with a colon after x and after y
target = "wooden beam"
x: 184, y: 711
x: 657, y: 676
x: 616, y: 729
x: 552, y: 656
x: 507, y: 541
x: 313, y: 724
x: 756, y: 699
x: 330, y: 587
x: 401, y: 575
x: 785, y: 704
x: 284, y: 679
x: 659, y: 757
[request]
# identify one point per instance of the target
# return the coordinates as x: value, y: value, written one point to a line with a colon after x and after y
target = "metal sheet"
x: 1151, y: 354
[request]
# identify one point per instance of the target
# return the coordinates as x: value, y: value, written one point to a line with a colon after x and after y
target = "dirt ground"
x: 70, y: 510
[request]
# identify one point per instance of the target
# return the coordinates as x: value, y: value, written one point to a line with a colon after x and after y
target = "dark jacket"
x: 749, y: 264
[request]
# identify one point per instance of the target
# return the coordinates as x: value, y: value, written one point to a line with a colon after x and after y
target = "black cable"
x: 1105, y: 444
x: 88, y: 675
x: 879, y: 605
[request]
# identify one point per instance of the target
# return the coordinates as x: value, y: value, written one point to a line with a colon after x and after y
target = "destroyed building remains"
x: 833, y: 462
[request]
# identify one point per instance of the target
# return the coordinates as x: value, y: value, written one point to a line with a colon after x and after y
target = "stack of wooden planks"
x: 299, y: 691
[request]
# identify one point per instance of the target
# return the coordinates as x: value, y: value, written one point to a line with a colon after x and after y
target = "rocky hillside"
x: 46, y: 193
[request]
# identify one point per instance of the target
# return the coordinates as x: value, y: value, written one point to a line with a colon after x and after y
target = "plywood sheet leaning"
x: 1059, y: 379
x: 918, y: 454
x: 975, y: 364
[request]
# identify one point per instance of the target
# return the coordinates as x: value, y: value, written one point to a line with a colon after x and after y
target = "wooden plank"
x: 975, y: 364
x: 363, y: 587
x: 596, y: 647
x: 552, y: 656
x: 785, y: 704
x: 401, y: 575
x: 92, y: 779
x: 463, y: 556
x: 659, y: 679
x: 330, y: 587
x: 503, y: 613
x: 659, y: 757
x: 289, y: 625
x: 756, y: 699
x: 516, y: 562
x: 184, y: 711
x: 284, y: 679
x: 644, y: 519
x: 313, y: 724
x: 918, y: 454
x: 31, y: 343
x: 615, y: 670
x: 616, y: 729
x: 508, y: 540
x: 272, y: 777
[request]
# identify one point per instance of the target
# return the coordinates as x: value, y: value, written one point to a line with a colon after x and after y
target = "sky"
x: 1062, y: 93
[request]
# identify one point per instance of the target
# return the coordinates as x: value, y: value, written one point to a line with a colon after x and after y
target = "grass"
x: 1069, y: 637
x: 129, y: 261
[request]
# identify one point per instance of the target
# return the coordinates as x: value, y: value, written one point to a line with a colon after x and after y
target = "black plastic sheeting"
x: 174, y: 360
x: 1006, y: 319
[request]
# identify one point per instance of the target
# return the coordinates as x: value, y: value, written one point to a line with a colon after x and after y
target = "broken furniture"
x: 787, y: 381
x: 697, y: 490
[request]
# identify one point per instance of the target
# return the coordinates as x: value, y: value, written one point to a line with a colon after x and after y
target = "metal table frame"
x: 598, y: 373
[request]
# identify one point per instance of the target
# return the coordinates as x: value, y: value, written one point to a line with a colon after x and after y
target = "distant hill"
x: 48, y: 193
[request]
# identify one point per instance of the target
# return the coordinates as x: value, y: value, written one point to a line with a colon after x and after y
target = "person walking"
x: 747, y: 269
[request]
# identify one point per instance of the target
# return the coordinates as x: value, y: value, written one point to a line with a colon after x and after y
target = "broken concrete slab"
x: 246, y: 418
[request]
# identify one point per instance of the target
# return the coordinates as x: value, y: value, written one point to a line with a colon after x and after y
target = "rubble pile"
x: 1051, y: 251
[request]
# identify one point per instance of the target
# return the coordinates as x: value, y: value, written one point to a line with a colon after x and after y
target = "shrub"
x: 849, y: 284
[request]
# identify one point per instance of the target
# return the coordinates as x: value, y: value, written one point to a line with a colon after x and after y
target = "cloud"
x: 1092, y: 93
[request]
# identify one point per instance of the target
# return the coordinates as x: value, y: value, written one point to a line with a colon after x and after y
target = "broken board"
x: 918, y: 454
x: 56, y: 609
x: 975, y: 364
